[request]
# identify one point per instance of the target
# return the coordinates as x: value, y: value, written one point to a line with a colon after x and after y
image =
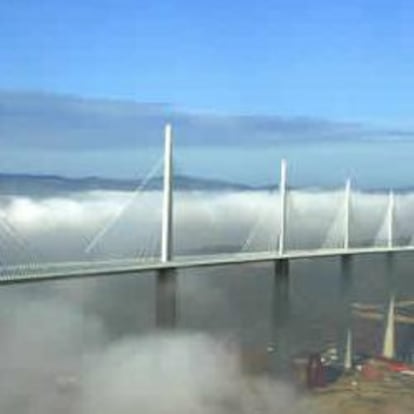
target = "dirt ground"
x: 353, y: 394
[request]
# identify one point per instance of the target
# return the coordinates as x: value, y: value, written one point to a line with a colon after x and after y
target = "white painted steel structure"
x: 283, y: 206
x: 390, y: 220
x: 166, y: 231
x: 347, y: 215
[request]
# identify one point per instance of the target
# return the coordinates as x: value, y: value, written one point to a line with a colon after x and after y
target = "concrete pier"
x: 345, y: 302
x: 346, y: 274
x: 281, y: 290
x: 166, y: 299
x: 391, y: 281
x: 280, y: 317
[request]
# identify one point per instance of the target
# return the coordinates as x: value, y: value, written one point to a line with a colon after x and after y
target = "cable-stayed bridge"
x: 167, y: 263
x: 81, y: 269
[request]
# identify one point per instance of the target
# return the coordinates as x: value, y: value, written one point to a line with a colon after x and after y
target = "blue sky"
x: 347, y: 60
x: 306, y: 75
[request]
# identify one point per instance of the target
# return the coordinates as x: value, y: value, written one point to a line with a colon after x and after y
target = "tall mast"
x: 391, y: 204
x: 388, y: 348
x: 347, y: 216
x: 282, y: 195
x: 348, y: 351
x: 167, y: 210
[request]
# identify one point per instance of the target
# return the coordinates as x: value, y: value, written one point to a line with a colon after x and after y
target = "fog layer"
x: 104, y: 225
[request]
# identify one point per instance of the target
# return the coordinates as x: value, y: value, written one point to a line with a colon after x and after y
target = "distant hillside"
x: 53, y: 185
x: 46, y: 185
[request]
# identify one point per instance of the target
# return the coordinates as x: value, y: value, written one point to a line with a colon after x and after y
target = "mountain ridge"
x: 50, y: 184
x: 46, y: 185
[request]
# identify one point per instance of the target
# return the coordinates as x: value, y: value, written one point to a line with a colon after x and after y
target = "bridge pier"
x: 280, y: 315
x: 166, y: 299
x: 345, y: 302
x: 391, y: 279
x: 345, y: 287
x: 281, y: 291
x: 346, y: 267
x: 282, y: 271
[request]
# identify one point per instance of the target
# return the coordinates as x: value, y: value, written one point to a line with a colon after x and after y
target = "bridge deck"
x: 71, y: 270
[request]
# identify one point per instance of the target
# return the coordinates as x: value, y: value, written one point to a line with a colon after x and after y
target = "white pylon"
x: 282, y: 195
x: 348, y: 351
x: 388, y: 347
x: 390, y: 220
x: 167, y: 210
x: 347, y: 214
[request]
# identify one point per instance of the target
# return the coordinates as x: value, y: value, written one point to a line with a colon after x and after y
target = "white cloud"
x: 62, y: 228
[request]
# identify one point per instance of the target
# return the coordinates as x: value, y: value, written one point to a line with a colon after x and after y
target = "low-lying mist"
x: 89, y: 346
x: 105, y: 225
x: 56, y: 359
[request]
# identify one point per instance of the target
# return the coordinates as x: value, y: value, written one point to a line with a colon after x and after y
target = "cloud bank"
x: 108, y: 225
x: 63, y: 347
